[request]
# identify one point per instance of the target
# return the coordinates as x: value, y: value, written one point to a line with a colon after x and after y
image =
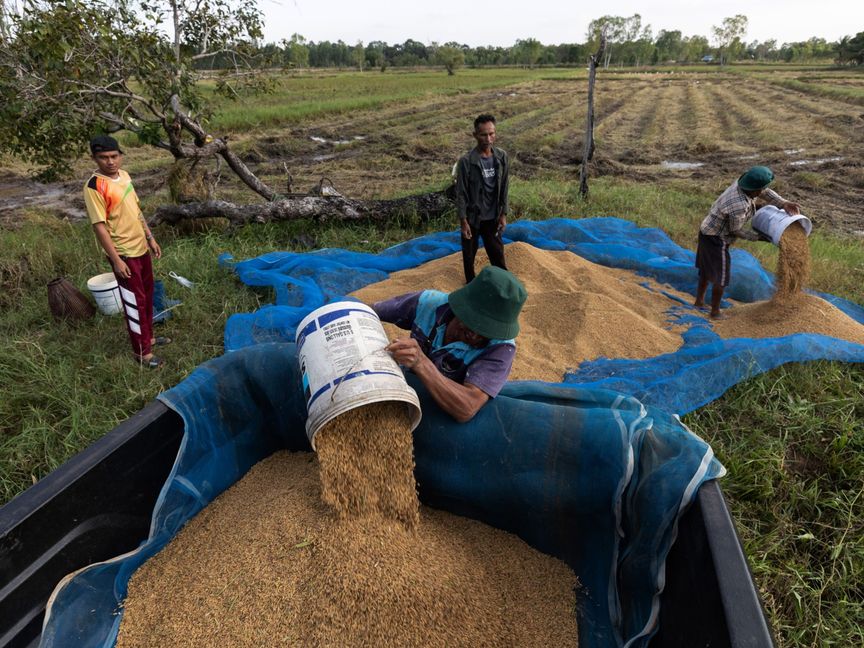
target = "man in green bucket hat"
x: 462, y: 344
x: 725, y: 223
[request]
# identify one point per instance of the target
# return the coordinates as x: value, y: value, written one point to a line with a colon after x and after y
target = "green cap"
x: 756, y: 178
x: 489, y: 305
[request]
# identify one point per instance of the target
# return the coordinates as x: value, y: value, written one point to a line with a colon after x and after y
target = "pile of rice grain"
x: 576, y: 310
x: 268, y: 563
x: 790, y: 310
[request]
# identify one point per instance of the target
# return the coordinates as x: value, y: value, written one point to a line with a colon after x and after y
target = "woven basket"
x: 66, y: 302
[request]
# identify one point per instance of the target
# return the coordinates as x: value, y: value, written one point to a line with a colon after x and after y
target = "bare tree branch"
x: 320, y: 208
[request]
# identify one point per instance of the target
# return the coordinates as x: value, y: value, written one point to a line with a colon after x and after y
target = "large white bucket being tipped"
x: 773, y: 222
x: 106, y: 292
x: 340, y: 348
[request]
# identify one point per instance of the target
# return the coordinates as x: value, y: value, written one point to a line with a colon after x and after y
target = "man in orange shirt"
x: 128, y: 242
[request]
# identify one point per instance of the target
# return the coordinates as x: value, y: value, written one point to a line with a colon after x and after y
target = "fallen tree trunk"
x: 322, y: 208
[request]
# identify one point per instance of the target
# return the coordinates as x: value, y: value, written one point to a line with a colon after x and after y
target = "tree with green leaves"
x: 527, y: 51
x: 204, y: 28
x: 620, y: 31
x: 729, y: 37
x: 850, y: 49
x: 451, y: 56
x: 297, y: 51
x: 359, y: 55
x: 695, y: 47
x: 75, y: 68
x: 763, y: 51
x: 668, y: 46
x: 375, y: 55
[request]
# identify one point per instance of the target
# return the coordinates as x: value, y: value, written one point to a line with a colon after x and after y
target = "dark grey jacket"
x: 469, y: 184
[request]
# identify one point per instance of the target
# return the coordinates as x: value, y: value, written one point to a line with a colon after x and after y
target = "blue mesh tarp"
x: 704, y: 368
x: 578, y: 469
x: 590, y: 476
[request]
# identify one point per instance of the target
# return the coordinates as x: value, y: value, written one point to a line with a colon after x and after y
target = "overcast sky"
x: 502, y: 22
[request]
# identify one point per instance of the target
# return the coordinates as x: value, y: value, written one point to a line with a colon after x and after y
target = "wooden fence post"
x: 588, y: 148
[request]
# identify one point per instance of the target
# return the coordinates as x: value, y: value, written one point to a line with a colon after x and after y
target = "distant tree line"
x: 629, y: 43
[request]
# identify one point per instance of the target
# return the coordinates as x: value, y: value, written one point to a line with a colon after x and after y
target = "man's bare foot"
x: 717, y: 315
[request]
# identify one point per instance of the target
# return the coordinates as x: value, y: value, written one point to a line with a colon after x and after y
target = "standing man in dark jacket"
x: 482, y: 183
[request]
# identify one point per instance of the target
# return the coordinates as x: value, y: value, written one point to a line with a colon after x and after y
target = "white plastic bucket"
x: 106, y: 292
x: 340, y: 348
x: 772, y: 222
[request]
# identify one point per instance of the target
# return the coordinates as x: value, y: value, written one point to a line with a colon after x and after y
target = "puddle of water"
x: 667, y: 164
x: 793, y: 151
x: 323, y: 158
x: 324, y: 140
x: 748, y: 157
x: 815, y: 162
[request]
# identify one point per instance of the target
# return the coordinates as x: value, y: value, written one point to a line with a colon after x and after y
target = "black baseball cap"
x: 104, y: 144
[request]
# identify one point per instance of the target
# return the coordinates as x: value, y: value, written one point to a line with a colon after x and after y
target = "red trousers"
x: 136, y: 293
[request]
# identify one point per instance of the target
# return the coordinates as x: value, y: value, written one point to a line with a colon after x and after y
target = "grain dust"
x: 269, y: 563
x: 367, y: 463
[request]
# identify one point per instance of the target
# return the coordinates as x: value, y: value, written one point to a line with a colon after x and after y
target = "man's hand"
x: 154, y: 247
x: 461, y: 402
x: 121, y: 268
x: 791, y: 208
x: 502, y: 223
x: 406, y: 352
x: 466, y: 229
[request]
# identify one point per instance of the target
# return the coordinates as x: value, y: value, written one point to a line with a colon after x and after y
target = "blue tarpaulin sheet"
x: 595, y: 470
x: 704, y: 368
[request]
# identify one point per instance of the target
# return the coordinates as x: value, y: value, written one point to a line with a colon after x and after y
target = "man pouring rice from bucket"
x: 726, y: 222
x: 462, y: 344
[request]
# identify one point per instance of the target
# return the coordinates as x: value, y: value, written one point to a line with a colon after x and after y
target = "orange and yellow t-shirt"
x: 115, y: 203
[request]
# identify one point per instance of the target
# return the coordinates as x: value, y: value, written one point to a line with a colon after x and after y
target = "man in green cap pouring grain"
x: 462, y: 344
x: 726, y: 222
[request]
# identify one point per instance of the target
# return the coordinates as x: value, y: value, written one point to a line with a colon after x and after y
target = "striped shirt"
x: 731, y: 211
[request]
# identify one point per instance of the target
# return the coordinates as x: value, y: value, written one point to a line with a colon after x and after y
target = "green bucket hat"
x: 756, y: 178
x: 489, y: 305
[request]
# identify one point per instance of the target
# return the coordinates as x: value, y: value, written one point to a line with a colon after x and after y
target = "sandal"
x: 161, y: 341
x: 153, y: 362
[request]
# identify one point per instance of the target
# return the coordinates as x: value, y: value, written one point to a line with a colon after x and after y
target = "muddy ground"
x: 681, y: 130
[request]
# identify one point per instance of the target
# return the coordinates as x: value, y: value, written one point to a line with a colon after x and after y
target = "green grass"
x: 793, y: 443
x: 849, y: 94
x: 303, y: 97
x: 791, y: 438
x: 65, y: 385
